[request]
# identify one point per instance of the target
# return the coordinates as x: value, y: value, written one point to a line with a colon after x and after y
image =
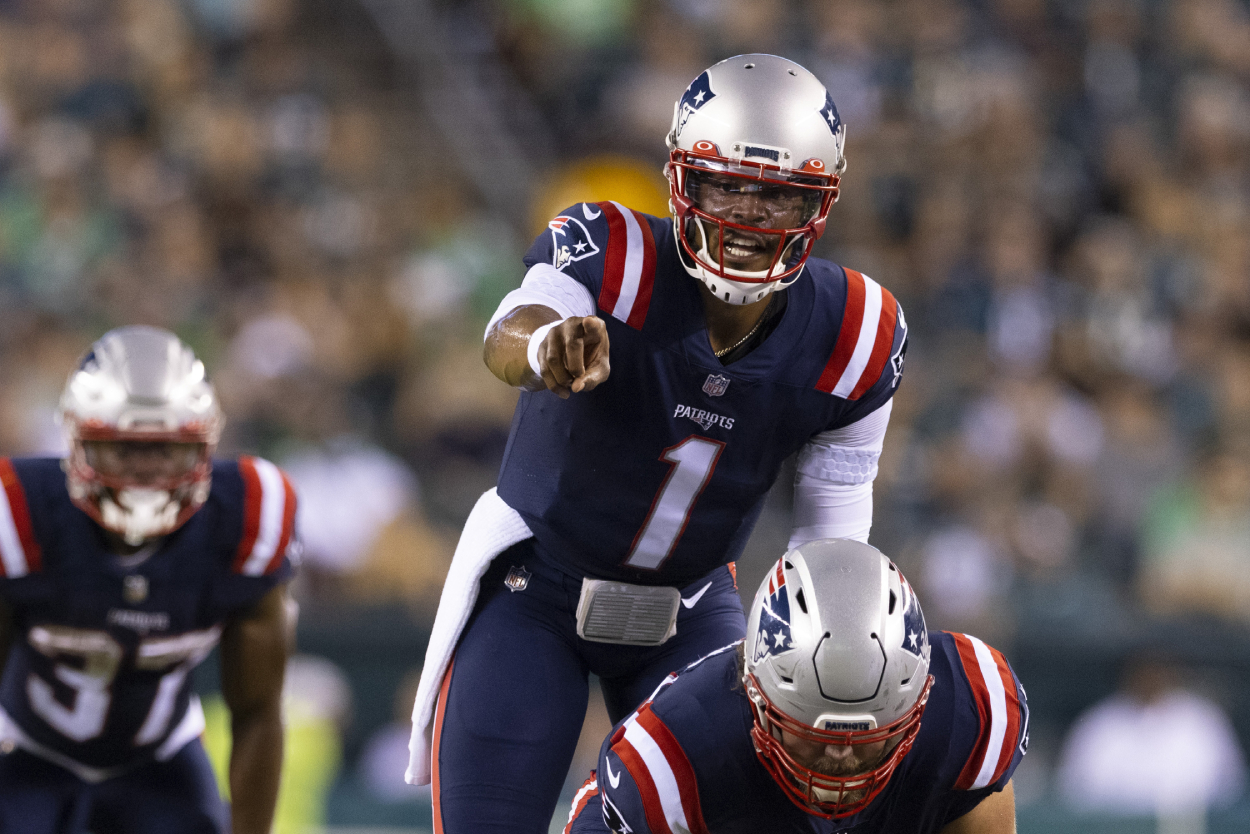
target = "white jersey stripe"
x: 998, y: 712
x: 864, y: 344
x: 272, y: 512
x: 661, y: 774
x: 635, y: 249
x: 12, y: 555
x: 591, y: 785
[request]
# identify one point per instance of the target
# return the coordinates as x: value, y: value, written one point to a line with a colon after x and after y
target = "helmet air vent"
x: 748, y: 66
x: 893, y: 600
x: 792, y: 72
x: 801, y: 600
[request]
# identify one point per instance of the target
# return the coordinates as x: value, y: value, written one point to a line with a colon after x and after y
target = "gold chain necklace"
x: 719, y: 353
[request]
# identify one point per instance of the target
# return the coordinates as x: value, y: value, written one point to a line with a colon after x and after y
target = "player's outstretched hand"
x: 574, y: 356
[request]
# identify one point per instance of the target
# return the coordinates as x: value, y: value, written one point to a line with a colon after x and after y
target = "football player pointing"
x: 121, y: 568
x: 669, y: 366
x: 839, y: 712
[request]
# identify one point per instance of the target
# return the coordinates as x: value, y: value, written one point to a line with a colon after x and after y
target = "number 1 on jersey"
x: 692, y: 463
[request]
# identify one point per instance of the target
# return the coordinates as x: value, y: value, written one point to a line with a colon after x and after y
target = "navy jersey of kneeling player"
x: 103, y: 645
x: 658, y: 474
x: 684, y: 760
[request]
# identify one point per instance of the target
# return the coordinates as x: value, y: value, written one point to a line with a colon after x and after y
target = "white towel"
x: 491, y: 529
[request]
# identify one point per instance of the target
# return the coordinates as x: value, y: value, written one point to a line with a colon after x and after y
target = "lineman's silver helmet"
x: 767, y: 122
x: 140, y: 384
x: 836, y: 654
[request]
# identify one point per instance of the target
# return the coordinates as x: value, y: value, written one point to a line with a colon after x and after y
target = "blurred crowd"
x: 1057, y: 191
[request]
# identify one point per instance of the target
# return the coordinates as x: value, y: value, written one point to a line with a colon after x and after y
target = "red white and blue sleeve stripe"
x: 864, y: 339
x: 268, y: 517
x: 629, y: 265
x: 660, y: 771
x: 19, y: 550
x: 585, y: 797
x: 1002, y: 711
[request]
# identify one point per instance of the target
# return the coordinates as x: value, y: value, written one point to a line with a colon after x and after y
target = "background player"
x: 657, y: 413
x: 121, y: 568
x: 839, y: 712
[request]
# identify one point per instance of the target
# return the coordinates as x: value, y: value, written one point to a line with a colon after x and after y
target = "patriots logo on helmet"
x: 830, y: 112
x: 773, y: 636
x: 915, y: 634
x: 697, y: 94
x: 570, y: 241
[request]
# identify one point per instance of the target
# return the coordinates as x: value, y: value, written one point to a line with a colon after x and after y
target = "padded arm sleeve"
x: 548, y: 286
x: 833, y: 484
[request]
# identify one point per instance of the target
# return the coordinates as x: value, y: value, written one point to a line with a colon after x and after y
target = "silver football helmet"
x: 142, y: 422
x: 837, y: 665
x: 753, y: 123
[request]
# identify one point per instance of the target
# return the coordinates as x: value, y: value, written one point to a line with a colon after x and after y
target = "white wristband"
x: 536, y: 340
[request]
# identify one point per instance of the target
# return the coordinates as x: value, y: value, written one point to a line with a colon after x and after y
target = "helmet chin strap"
x: 139, y: 514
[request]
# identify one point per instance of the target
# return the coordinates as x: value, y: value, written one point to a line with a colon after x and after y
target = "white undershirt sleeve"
x: 549, y: 287
x: 833, y: 482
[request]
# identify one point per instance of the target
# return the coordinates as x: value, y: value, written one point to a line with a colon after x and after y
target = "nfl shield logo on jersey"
x: 715, y: 385
x: 517, y: 579
x: 135, y: 589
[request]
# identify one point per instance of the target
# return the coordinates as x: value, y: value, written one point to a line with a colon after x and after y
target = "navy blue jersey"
x: 658, y: 475
x: 685, y: 758
x: 98, y: 672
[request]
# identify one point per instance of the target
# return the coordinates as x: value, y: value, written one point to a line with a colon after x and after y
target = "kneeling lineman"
x: 839, y: 712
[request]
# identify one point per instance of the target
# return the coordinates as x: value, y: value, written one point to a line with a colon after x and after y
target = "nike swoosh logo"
x: 586, y: 211
x: 614, y: 779
x: 692, y: 601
